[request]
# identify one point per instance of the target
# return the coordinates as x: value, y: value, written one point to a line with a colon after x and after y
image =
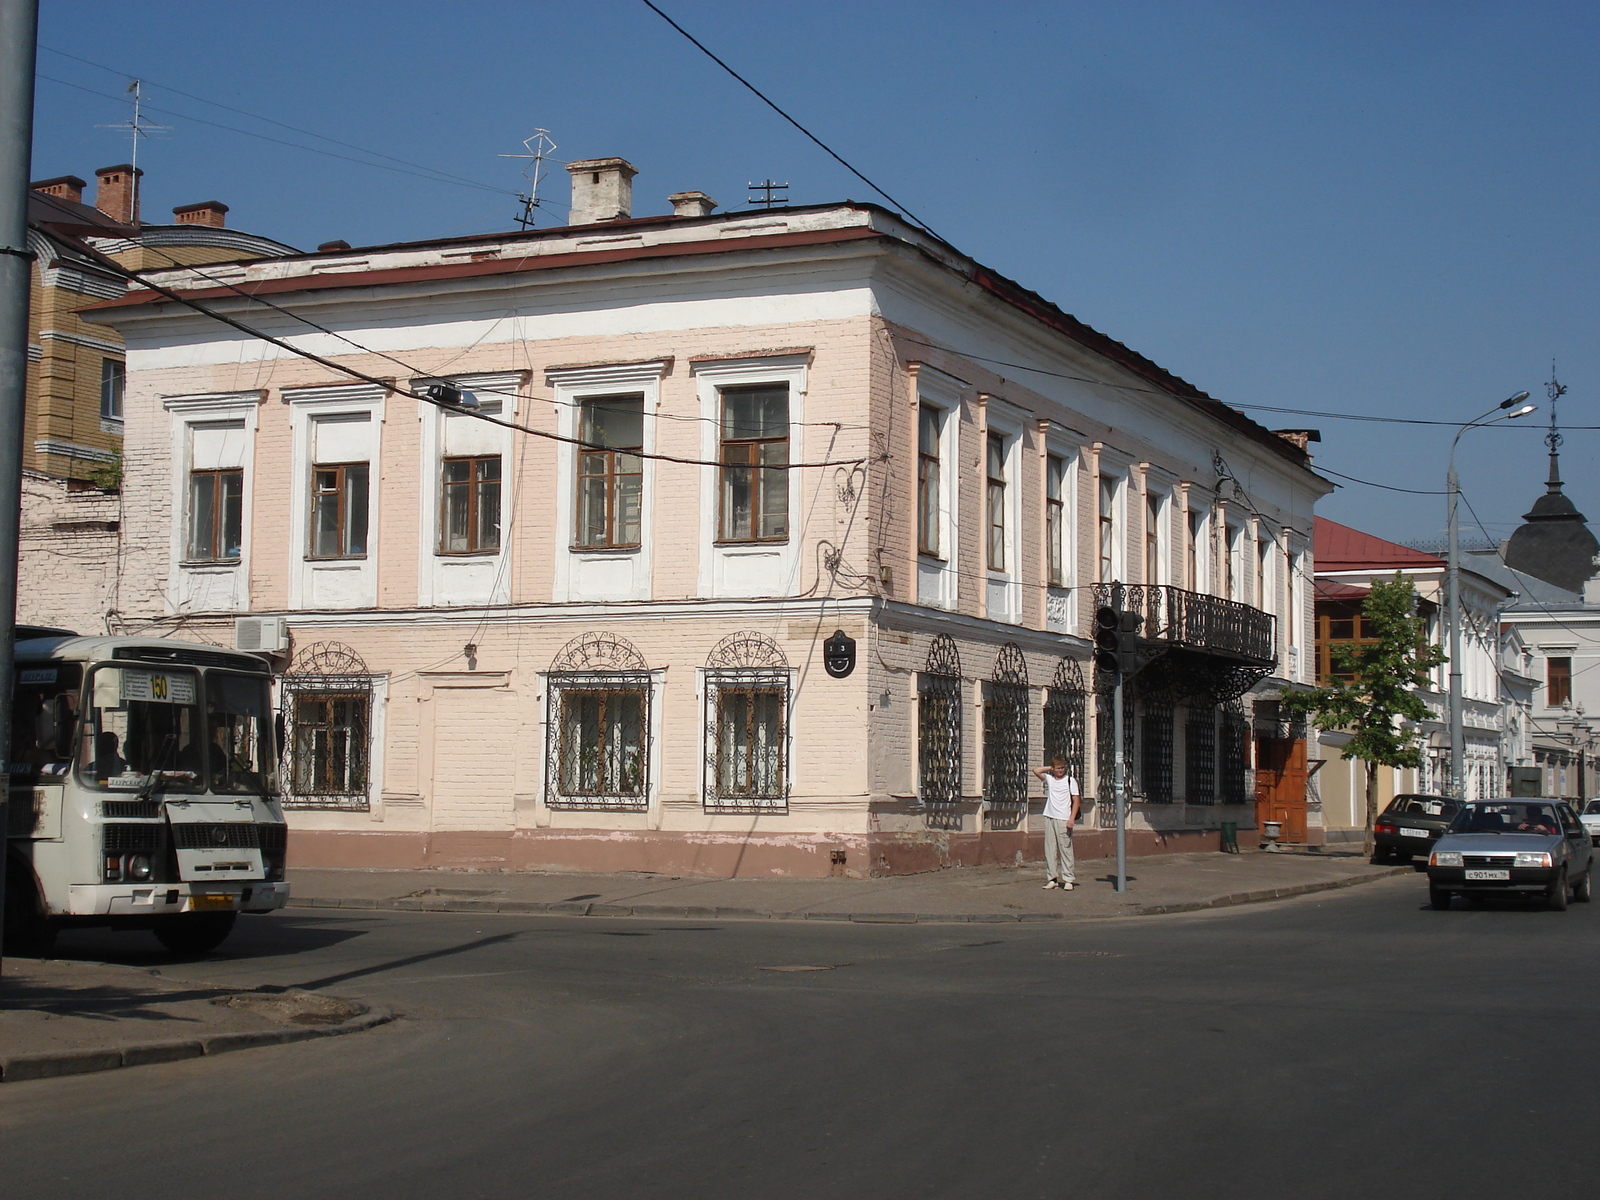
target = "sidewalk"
x: 1161, y: 883
x: 68, y: 1018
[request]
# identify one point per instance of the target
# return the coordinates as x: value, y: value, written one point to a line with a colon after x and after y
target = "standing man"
x: 1061, y: 803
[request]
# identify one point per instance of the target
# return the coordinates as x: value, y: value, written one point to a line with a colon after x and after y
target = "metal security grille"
x: 747, y: 730
x: 1200, y: 755
x: 598, y: 744
x: 1066, y: 718
x: 939, y: 734
x: 1156, y: 747
x: 1005, y: 734
x: 228, y: 835
x: 1105, y: 736
x: 327, y: 708
x: 130, y: 839
x: 1232, y: 761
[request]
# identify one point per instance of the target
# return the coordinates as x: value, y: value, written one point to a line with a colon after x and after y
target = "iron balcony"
x: 1179, y: 619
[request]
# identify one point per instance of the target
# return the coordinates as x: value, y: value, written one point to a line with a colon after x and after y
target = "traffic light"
x: 1116, y: 640
x: 1107, y: 623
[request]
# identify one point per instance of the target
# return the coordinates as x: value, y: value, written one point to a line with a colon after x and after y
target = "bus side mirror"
x: 279, y: 734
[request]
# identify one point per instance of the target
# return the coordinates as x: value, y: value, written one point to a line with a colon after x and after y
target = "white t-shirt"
x: 1058, y: 794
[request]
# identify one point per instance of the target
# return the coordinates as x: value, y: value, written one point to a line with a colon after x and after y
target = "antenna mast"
x: 137, y: 129
x: 539, y: 147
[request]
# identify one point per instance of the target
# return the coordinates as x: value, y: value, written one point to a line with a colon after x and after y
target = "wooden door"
x: 1281, y: 785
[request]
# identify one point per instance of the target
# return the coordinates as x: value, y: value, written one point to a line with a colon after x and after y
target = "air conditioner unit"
x: 264, y: 635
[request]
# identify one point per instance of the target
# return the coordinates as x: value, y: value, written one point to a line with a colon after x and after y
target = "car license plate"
x: 1415, y: 833
x: 210, y: 900
x: 1488, y: 875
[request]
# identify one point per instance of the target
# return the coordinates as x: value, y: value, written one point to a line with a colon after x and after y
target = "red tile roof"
x: 1332, y: 589
x: 1339, y: 548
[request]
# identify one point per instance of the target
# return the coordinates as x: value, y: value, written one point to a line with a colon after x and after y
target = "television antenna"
x: 136, y: 128
x: 538, y: 149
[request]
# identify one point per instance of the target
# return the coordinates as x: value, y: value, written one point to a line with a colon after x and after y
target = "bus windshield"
x: 238, y: 734
x: 142, y: 720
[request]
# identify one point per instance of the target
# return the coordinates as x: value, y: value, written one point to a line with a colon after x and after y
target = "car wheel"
x: 1439, y: 898
x: 1557, y: 897
x: 1583, y: 890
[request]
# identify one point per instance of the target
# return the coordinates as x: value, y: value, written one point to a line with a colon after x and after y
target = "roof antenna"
x: 539, y: 147
x: 767, y: 200
x: 137, y: 128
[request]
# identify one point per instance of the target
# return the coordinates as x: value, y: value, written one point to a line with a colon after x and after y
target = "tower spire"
x: 1555, y: 390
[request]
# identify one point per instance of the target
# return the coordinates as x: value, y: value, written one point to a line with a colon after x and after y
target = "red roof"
x: 1339, y: 548
x: 1332, y: 589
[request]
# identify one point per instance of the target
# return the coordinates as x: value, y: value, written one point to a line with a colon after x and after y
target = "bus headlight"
x: 138, y: 866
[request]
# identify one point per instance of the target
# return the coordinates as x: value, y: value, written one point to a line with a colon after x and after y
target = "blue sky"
x: 1385, y: 209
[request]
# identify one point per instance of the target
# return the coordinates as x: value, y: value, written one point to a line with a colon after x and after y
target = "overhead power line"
x: 770, y: 103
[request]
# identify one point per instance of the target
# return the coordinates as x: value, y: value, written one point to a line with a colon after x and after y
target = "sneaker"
x: 1050, y: 883
x: 1067, y: 887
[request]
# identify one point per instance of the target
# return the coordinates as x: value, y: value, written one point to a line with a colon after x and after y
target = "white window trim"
x: 185, y: 413
x: 571, y: 387
x: 504, y: 388
x: 943, y: 393
x: 305, y: 405
x: 1009, y: 422
x: 1119, y: 468
x: 1163, y: 486
x: 709, y: 377
x: 1202, y: 503
x: 1061, y: 602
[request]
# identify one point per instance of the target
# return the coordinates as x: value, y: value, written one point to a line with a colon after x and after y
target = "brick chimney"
x: 691, y: 204
x: 602, y: 190
x: 118, y: 193
x: 207, y: 212
x: 63, y: 187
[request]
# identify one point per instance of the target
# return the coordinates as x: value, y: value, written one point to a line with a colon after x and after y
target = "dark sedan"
x: 1512, y: 847
x: 1410, y: 826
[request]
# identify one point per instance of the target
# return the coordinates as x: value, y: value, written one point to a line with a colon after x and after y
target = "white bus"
x: 143, y: 790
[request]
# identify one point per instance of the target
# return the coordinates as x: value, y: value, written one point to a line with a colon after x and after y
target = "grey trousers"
x: 1058, y: 863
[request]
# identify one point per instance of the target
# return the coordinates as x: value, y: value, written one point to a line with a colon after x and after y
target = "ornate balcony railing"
x: 1194, y: 621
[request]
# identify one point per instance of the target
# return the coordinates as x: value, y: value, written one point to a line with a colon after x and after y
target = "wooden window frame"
x: 473, y: 486
x: 612, y: 475
x: 751, y: 450
x: 218, y: 534
x: 342, y: 492
x: 1055, y: 519
x: 113, y: 387
x: 1558, y: 681
x: 995, y: 499
x: 930, y: 481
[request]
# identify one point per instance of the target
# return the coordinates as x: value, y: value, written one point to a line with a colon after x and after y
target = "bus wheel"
x: 194, y: 933
x: 28, y: 932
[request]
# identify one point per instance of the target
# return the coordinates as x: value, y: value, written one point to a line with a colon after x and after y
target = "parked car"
x: 1512, y: 847
x: 1591, y: 820
x: 1410, y: 826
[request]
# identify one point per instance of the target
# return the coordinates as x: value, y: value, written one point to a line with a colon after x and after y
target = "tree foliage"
x: 1378, y: 705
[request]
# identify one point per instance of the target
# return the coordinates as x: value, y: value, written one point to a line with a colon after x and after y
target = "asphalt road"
x: 1353, y: 1043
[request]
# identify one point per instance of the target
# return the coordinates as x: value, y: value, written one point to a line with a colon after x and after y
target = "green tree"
x: 1374, y: 696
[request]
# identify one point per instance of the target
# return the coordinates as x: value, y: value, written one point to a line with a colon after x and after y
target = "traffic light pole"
x: 1120, y: 785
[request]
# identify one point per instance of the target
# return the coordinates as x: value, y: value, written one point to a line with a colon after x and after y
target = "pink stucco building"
x: 576, y: 619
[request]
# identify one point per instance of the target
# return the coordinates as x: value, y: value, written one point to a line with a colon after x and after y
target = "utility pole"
x: 1116, y: 640
x: 19, y: 33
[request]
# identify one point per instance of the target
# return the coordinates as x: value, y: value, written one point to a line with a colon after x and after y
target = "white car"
x: 1590, y: 816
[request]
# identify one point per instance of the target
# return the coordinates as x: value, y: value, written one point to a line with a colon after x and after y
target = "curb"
x: 702, y: 913
x: 54, y: 1063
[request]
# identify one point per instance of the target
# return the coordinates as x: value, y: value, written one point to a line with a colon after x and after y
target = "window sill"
x: 202, y: 564
x: 727, y: 545
x: 932, y: 559
x: 354, y: 560
x: 459, y: 554
x: 633, y: 549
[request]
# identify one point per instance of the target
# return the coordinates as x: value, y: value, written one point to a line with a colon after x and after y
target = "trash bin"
x: 1230, y: 837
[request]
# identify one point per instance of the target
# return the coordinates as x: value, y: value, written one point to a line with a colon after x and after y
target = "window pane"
x: 453, y: 536
x: 774, y: 503
x: 755, y: 412
x: 733, y: 763
x: 736, y: 503
x: 355, y: 486
x: 202, y: 514
x: 325, y: 514
x: 928, y: 430
x: 1054, y: 475
x: 630, y: 493
x: 997, y: 457
x: 232, y: 513
x: 928, y: 508
x: 613, y: 421
x: 592, y: 511
x: 487, y: 534
x: 113, y: 375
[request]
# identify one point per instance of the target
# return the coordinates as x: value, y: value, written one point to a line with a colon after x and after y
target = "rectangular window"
x: 339, y: 511
x: 216, y: 516
x: 602, y: 751
x: 113, y: 377
x: 928, y: 471
x: 746, y: 734
x: 996, y: 501
x: 1194, y: 549
x: 1153, y: 567
x: 1055, y: 518
x: 755, y: 465
x: 1340, y: 625
x: 610, y: 500
x: 1264, y: 581
x: 469, y: 504
x: 1108, y: 528
x: 330, y: 747
x: 1558, y: 681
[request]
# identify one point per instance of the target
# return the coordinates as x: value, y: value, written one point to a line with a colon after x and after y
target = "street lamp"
x: 1453, y: 617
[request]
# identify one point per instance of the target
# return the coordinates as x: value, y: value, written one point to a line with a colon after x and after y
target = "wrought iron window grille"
x: 1156, y: 748
x: 1066, y: 718
x: 1200, y: 755
x: 326, y: 698
x: 1005, y: 738
x: 747, y: 740
x: 1233, y: 756
x: 598, y: 742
